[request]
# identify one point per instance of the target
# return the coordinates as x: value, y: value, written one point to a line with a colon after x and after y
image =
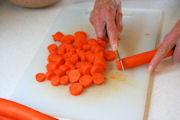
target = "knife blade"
x: 119, y: 58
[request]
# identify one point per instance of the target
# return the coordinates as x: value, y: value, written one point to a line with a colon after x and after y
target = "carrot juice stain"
x: 116, y: 82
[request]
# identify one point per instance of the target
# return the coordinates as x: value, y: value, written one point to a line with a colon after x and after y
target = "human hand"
x: 170, y: 40
x: 106, y: 17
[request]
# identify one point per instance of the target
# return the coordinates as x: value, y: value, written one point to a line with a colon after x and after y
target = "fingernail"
x: 150, y: 69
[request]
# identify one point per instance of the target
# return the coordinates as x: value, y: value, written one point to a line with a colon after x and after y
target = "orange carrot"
x: 57, y: 36
x: 98, y: 78
x: 81, y: 32
x: 40, y: 77
x: 64, y: 68
x: 55, y: 81
x: 80, y: 37
x: 6, y: 118
x: 139, y: 59
x: 109, y: 55
x: 98, y: 49
x: 52, y: 48
x: 86, y: 81
x: 49, y: 75
x: 74, y: 75
x: 100, y: 61
x: 85, y: 69
x: 67, y: 39
x: 102, y: 43
x: 92, y: 41
x: 20, y: 112
x: 59, y: 72
x: 74, y: 58
x: 56, y: 58
x: 86, y: 47
x: 90, y: 57
x: 76, y: 89
x: 97, y: 69
x: 52, y: 66
x: 64, y: 80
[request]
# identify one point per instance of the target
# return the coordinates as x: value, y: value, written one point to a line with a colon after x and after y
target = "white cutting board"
x: 122, y: 98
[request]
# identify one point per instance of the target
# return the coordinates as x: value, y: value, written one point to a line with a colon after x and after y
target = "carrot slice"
x: 52, y: 66
x: 17, y: 111
x: 40, y: 77
x: 90, y: 57
x: 56, y: 58
x: 82, y: 55
x: 102, y: 43
x: 64, y: 67
x: 109, y: 55
x: 57, y: 36
x: 85, y: 69
x: 6, y: 118
x: 92, y: 41
x: 100, y: 61
x: 55, y: 81
x: 98, y: 49
x: 76, y: 89
x: 97, y: 69
x: 78, y: 44
x: 74, y: 58
x: 67, y: 39
x: 98, y: 78
x: 86, y: 47
x: 70, y: 65
x: 59, y: 72
x: 86, y: 81
x: 52, y: 48
x: 49, y: 75
x: 80, y: 38
x: 82, y: 33
x: 74, y: 75
x: 64, y: 80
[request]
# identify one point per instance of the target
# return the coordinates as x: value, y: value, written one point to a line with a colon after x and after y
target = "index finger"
x: 112, y: 30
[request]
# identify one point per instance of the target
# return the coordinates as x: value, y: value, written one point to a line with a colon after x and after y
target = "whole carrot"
x: 17, y: 111
x: 139, y: 59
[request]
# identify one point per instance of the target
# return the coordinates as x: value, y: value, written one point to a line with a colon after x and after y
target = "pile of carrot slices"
x: 77, y: 61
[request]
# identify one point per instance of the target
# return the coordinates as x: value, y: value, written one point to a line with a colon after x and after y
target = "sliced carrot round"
x: 86, y: 69
x: 49, y: 75
x: 67, y: 39
x: 80, y: 38
x: 64, y: 68
x: 92, y: 41
x: 86, y: 47
x: 74, y: 75
x: 53, y: 48
x: 86, y: 81
x: 76, y: 89
x: 98, y: 78
x: 56, y: 58
x: 97, y: 69
x: 64, y: 80
x: 109, y: 55
x: 59, y: 72
x: 81, y: 32
x: 57, y: 36
x: 52, y: 66
x: 102, y: 43
x: 40, y: 77
x: 74, y: 58
x: 55, y: 81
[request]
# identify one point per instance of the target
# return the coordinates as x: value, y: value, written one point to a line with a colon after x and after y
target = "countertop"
x: 22, y: 31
